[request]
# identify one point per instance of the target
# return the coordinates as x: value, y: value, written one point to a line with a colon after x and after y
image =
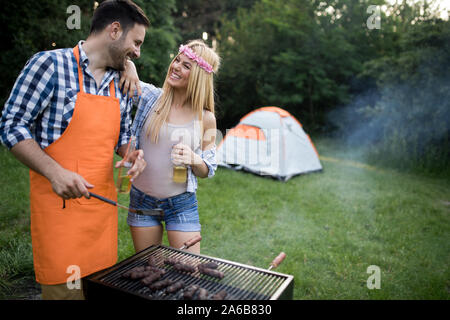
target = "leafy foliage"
x: 161, y: 40
x: 282, y: 53
x: 385, y: 89
x: 409, y: 125
x: 30, y: 27
x: 33, y: 26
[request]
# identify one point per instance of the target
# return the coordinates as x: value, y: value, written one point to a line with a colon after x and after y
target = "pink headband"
x: 188, y: 52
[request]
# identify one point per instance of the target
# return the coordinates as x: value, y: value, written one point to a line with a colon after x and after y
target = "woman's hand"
x: 139, y: 164
x: 129, y: 80
x: 183, y: 155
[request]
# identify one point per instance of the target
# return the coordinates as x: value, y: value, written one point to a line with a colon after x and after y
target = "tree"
x: 33, y: 26
x: 278, y: 53
x: 193, y: 17
x: 26, y: 30
x: 408, y: 125
x: 161, y: 41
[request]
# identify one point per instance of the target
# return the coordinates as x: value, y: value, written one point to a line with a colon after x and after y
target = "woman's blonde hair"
x: 199, y: 92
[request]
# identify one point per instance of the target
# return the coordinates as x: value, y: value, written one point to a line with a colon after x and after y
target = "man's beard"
x: 118, y: 55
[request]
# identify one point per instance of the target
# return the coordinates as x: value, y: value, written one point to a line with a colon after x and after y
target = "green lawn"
x: 332, y: 225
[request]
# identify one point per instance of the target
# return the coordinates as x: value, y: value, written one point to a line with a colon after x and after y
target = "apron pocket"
x: 101, y: 176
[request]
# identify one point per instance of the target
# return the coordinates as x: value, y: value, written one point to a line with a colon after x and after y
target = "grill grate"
x: 241, y: 282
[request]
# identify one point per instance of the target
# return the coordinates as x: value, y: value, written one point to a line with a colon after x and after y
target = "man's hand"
x: 129, y: 80
x: 69, y: 185
x: 65, y: 183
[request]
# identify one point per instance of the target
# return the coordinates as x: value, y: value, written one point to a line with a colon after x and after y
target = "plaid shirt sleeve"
x: 125, y: 124
x: 30, y: 95
x: 209, y: 158
x: 145, y: 103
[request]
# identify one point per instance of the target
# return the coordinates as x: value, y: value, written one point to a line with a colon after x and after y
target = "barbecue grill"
x: 241, y: 282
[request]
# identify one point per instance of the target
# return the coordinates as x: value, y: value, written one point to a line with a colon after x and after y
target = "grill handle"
x: 276, y: 262
x: 191, y: 242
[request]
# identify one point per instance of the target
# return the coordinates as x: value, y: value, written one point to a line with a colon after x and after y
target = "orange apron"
x: 84, y: 233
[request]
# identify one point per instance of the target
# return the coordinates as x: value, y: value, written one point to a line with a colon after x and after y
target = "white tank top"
x: 156, y: 179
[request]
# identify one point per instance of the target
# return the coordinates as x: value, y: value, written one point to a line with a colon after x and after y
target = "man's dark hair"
x: 126, y: 12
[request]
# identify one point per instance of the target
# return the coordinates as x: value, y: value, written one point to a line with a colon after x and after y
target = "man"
x: 64, y: 119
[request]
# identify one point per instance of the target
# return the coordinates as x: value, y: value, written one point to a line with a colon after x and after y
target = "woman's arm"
x: 182, y: 154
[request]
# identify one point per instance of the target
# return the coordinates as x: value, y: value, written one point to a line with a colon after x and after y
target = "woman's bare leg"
x: 144, y: 237
x: 178, y: 238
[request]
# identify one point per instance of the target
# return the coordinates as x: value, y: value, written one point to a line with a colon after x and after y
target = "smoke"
x: 405, y: 125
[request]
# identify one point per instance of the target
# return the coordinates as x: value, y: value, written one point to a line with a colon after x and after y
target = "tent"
x: 269, y: 141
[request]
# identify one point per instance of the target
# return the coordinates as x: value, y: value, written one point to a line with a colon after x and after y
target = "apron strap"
x: 76, y: 52
x: 112, y: 89
x: 80, y: 72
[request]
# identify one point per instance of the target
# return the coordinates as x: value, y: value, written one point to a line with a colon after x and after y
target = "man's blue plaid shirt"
x: 43, y: 98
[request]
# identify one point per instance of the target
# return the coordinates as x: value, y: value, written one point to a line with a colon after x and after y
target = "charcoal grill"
x: 242, y: 282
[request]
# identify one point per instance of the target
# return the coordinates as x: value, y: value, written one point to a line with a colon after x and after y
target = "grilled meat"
x: 152, y: 261
x: 152, y: 278
x: 183, y: 267
x: 209, y: 265
x: 171, y: 261
x: 161, y: 284
x: 190, y: 291
x: 202, y: 294
x: 219, y: 295
x: 175, y: 287
x: 212, y: 273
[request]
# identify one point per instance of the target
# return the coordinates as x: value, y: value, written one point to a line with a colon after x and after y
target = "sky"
x: 444, y: 6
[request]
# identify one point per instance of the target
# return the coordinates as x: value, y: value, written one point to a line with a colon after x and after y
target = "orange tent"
x: 269, y: 141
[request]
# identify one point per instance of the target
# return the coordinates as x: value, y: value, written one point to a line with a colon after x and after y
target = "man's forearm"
x: 65, y: 183
x: 30, y: 154
x: 122, y: 150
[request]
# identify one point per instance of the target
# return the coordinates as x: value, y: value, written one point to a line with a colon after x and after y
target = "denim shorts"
x: 180, y: 211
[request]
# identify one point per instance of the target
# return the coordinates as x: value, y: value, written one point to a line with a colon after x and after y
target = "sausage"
x: 175, y: 287
x: 128, y: 273
x: 154, y: 269
x: 147, y: 272
x: 220, y: 295
x: 183, y: 267
x: 209, y: 265
x: 152, y: 278
x: 161, y: 284
x: 152, y: 261
x: 140, y: 272
x: 212, y: 273
x: 190, y: 291
x: 202, y: 294
x: 171, y: 261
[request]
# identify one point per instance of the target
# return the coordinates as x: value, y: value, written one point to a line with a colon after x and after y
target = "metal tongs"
x: 146, y: 212
x: 275, y: 263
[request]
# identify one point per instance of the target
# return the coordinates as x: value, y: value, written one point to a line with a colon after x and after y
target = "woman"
x: 176, y: 127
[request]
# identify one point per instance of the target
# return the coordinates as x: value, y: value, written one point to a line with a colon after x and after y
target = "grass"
x: 332, y: 225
